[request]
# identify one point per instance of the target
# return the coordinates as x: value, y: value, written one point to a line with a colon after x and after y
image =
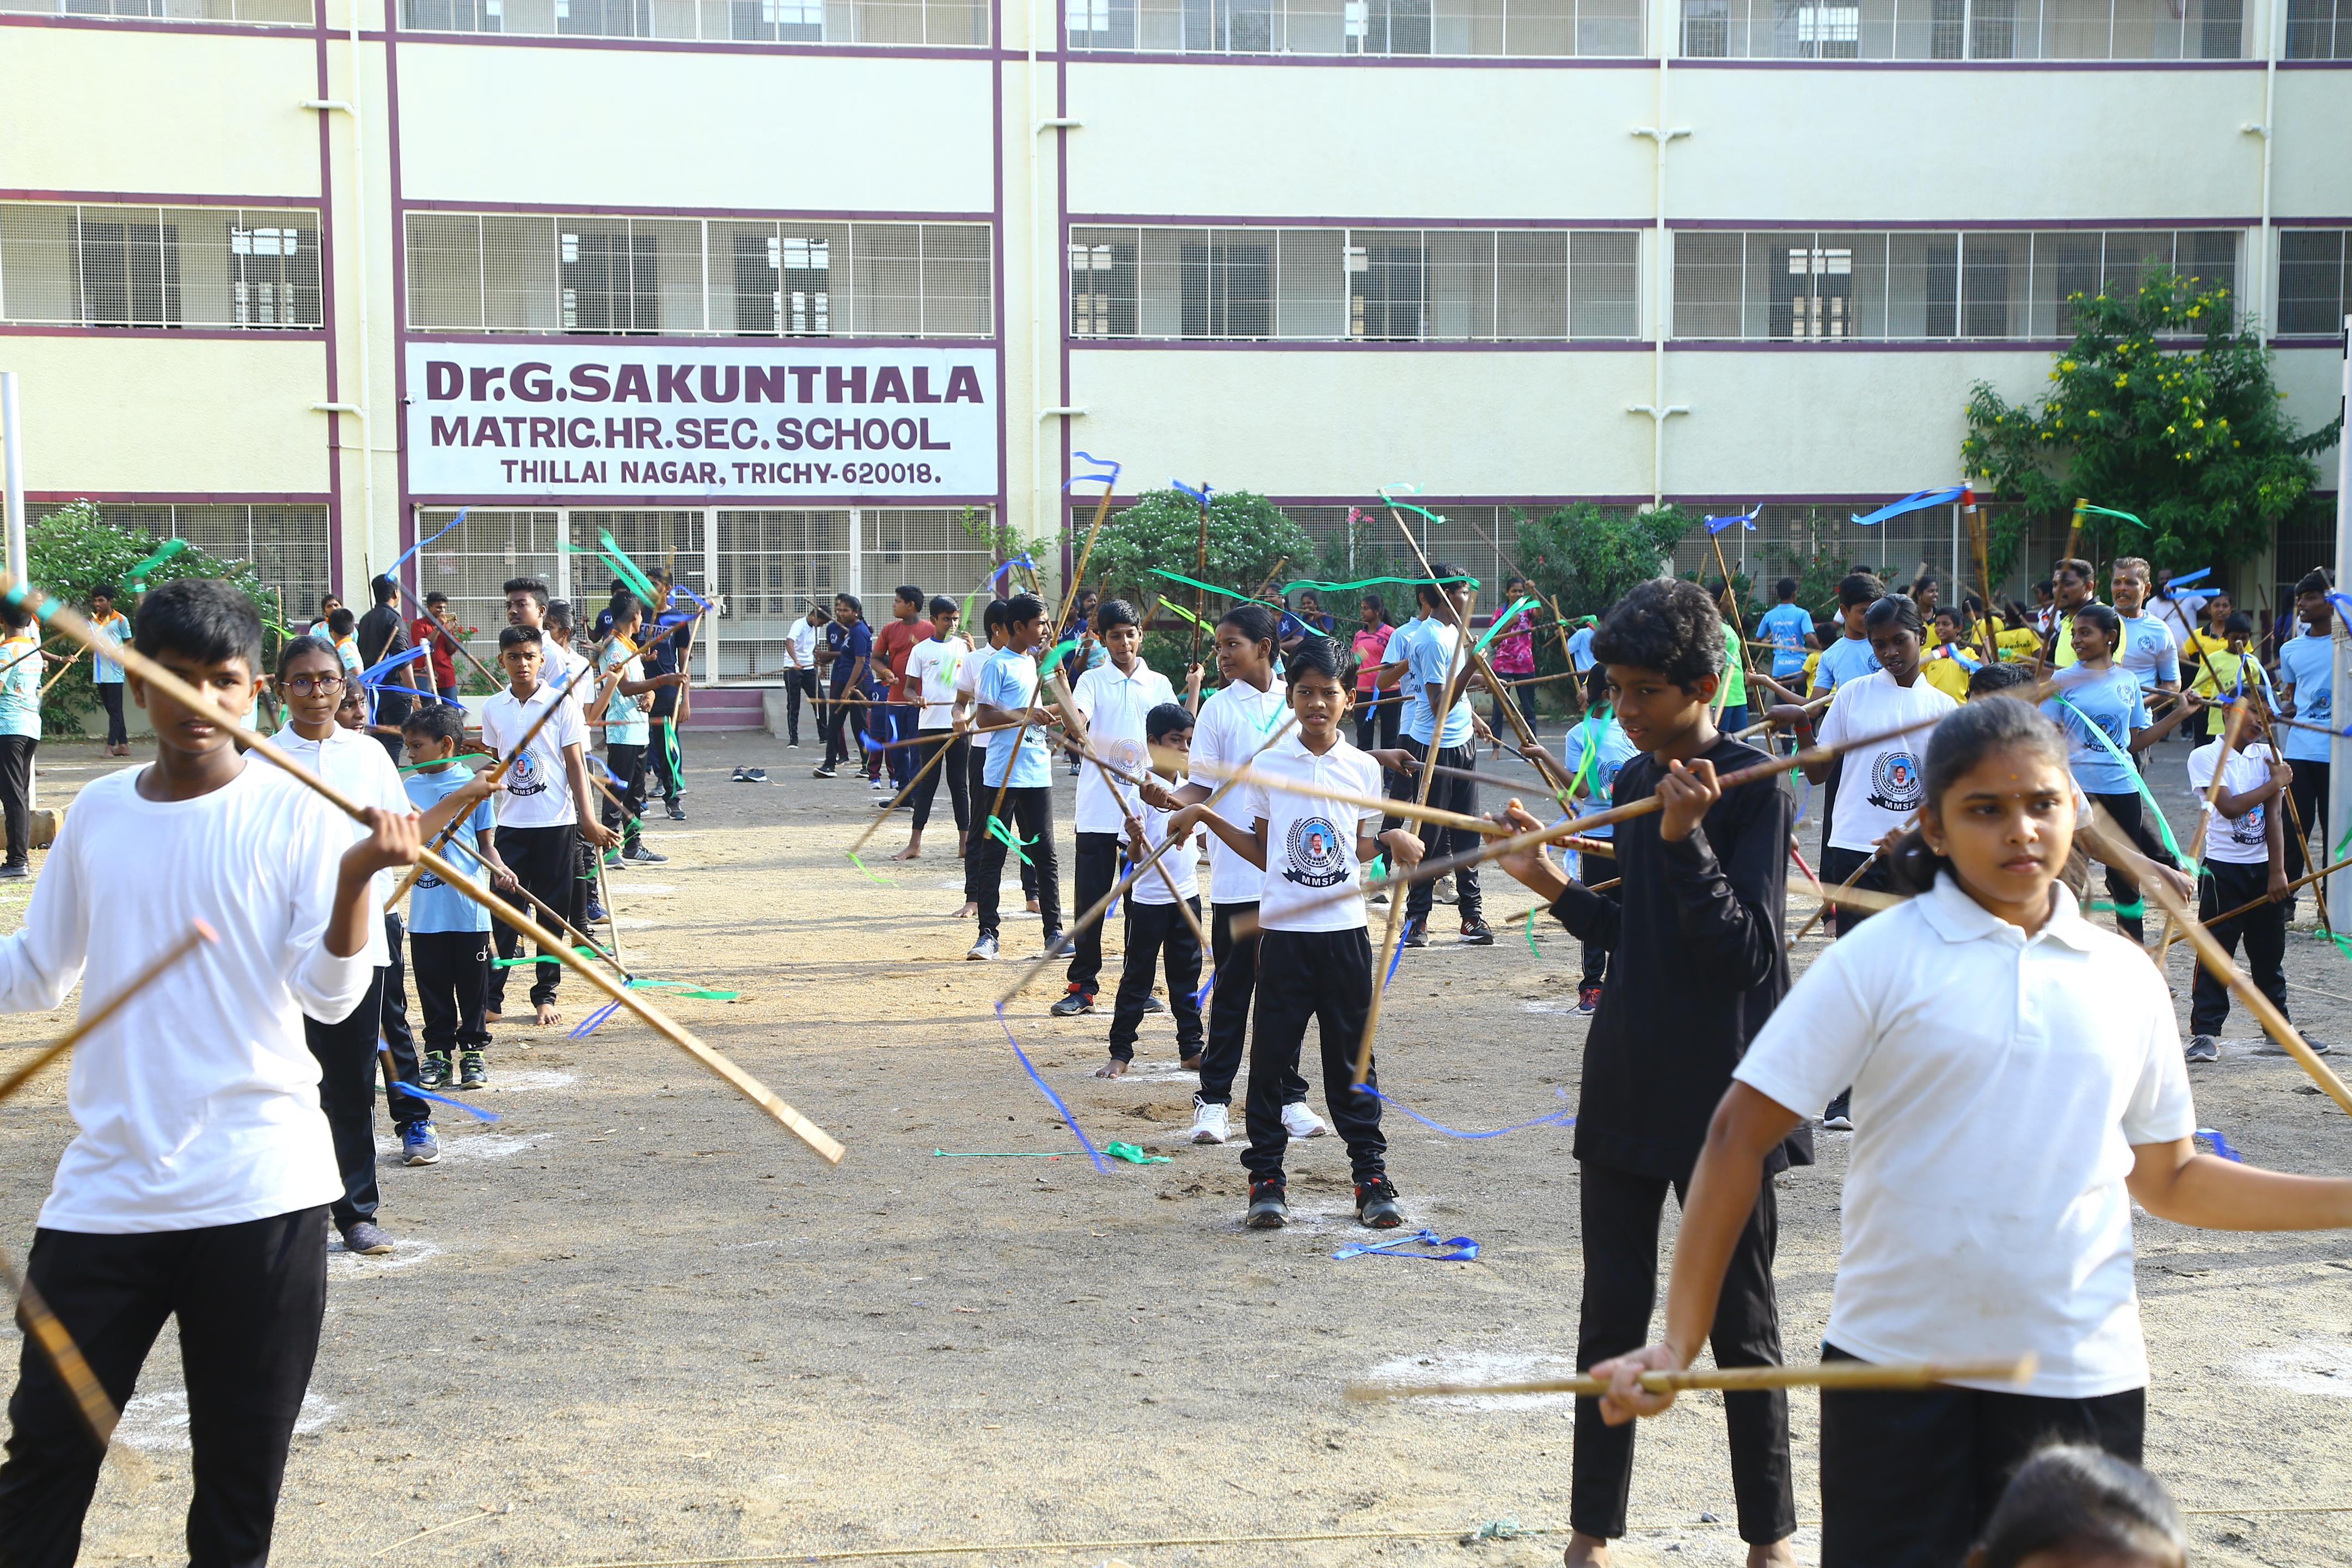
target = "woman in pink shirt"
x: 1514, y: 656
x: 1376, y: 710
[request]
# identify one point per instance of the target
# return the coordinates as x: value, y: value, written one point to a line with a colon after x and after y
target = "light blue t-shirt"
x: 435, y: 907
x: 2309, y: 664
x: 1597, y: 748
x: 2113, y: 703
x: 1848, y: 659
x: 1786, y: 627
x: 20, y: 688
x: 113, y: 631
x: 625, y: 723
x: 1580, y: 648
x: 1413, y: 712
x: 1430, y: 664
x: 1009, y: 680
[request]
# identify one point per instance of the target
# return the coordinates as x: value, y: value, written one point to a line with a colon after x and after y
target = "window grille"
x: 1990, y: 29
x: 927, y: 547
x: 1805, y: 287
x: 158, y: 267
x: 1367, y: 285
x: 2319, y: 30
x: 285, y: 545
x: 261, y: 12
x: 773, y: 565
x: 1525, y: 29
x: 720, y: 277
x: 2312, y: 294
x: 912, y: 23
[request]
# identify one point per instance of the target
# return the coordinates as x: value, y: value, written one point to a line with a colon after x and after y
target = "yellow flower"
x: 2199, y: 426
x: 2094, y: 414
x: 2066, y: 364
x: 2123, y: 381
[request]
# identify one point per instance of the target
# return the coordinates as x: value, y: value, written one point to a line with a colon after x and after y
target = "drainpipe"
x: 1658, y: 408
x: 2262, y: 267
x: 360, y: 238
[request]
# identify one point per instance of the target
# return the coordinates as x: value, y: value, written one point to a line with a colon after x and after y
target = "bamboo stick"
x: 2291, y: 886
x: 198, y: 932
x: 163, y: 680
x: 1829, y: 1375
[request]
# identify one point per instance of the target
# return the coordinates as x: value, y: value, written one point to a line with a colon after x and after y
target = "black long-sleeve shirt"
x: 1696, y: 964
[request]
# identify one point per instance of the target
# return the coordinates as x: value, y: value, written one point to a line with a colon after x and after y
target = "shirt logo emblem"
x: 1316, y: 857
x: 1894, y: 783
x: 524, y: 777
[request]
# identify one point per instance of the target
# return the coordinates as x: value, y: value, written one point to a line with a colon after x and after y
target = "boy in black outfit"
x: 1315, y: 956
x: 1696, y: 965
x: 1154, y: 925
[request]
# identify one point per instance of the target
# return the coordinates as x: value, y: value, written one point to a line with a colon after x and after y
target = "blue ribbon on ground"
x: 587, y: 1026
x: 1461, y: 1248
x: 393, y: 571
x: 2220, y: 1145
x: 1047, y: 1091
x: 475, y: 1111
x: 1917, y: 501
x: 1562, y: 1118
x: 1201, y: 495
x: 1745, y: 519
x: 1109, y: 478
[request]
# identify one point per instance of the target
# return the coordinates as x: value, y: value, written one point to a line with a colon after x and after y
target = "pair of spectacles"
x: 303, y: 685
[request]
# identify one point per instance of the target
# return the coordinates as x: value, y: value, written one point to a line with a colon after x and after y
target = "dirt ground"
x: 635, y: 1321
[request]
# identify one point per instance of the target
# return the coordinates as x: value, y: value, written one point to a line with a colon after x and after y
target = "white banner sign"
x: 792, y: 420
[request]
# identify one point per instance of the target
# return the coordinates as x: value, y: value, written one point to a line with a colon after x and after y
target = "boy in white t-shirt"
x: 546, y: 811
x: 1156, y: 928
x: 1113, y: 698
x: 197, y: 1182
x: 1314, y: 957
x: 2244, y: 859
x: 934, y: 665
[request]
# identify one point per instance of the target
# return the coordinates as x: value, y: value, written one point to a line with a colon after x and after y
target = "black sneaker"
x: 472, y: 1072
x: 1079, y: 1000
x: 677, y: 810
x: 2202, y: 1048
x: 433, y: 1070
x: 760, y: 775
x: 1416, y: 932
x: 1376, y: 1204
x: 642, y: 856
x: 738, y: 773
x: 1839, y: 1117
x: 1154, y: 1004
x: 1268, y: 1209
x: 1477, y: 933
x: 742, y: 777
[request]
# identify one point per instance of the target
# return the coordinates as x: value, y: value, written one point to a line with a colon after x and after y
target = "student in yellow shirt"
x: 2229, y: 671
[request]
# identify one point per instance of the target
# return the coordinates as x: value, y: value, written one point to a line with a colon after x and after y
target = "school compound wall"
x: 792, y: 289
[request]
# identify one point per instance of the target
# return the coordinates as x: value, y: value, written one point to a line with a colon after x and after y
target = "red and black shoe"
x: 1079, y: 1000
x: 1376, y: 1204
x: 1268, y: 1208
x: 1588, y: 997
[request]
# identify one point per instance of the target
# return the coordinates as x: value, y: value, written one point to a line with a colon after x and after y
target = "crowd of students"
x: 1700, y: 1069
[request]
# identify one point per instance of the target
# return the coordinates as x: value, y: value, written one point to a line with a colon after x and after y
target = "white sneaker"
x: 1211, y: 1124
x: 1301, y: 1123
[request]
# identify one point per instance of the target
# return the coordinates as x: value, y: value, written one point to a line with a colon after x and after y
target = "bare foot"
x: 966, y: 913
x: 1189, y: 1064
x: 1586, y: 1552
x: 1032, y: 906
x: 1779, y: 1554
x: 963, y: 844
x: 493, y: 1017
x: 547, y: 1014
x: 913, y: 851
x: 1112, y: 1069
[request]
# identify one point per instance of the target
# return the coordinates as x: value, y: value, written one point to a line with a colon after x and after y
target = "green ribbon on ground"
x: 862, y: 871
x: 1501, y: 621
x: 1003, y: 833
x: 1531, y: 934
x: 685, y: 988
x: 993, y: 1155
x: 1133, y: 1155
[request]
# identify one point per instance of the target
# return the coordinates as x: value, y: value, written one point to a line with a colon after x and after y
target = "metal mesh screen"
x: 285, y: 545
x: 1803, y: 286
x: 927, y: 548
x: 2312, y: 295
x: 1526, y: 28
x: 773, y: 565
x: 473, y: 563
x: 720, y: 276
x: 2318, y: 29
x: 158, y: 267
x: 274, y: 12
x: 952, y: 24
x: 1329, y: 284
x: 1970, y: 29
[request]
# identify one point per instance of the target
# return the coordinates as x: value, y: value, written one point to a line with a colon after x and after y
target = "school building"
x: 814, y: 294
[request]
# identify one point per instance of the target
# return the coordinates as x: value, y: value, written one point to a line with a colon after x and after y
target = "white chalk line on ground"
x: 1482, y: 1366
x: 157, y: 1423
x: 2310, y: 1365
x: 407, y: 1253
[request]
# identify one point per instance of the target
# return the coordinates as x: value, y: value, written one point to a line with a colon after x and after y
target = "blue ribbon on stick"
x: 1201, y: 495
x: 1918, y: 500
x: 1109, y: 475
x: 406, y: 556
x: 1745, y: 519
x: 2220, y: 1145
x: 475, y: 1111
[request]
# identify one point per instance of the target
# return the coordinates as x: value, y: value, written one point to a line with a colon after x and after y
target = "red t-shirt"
x: 892, y: 644
x: 429, y: 632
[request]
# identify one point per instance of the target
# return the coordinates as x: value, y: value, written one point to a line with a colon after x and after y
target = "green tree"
x: 1247, y: 535
x: 74, y: 551
x: 1588, y: 555
x: 2188, y: 436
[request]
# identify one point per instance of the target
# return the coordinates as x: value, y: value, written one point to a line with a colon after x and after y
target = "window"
x: 158, y: 267
x: 492, y: 272
x: 1808, y: 287
x: 2319, y: 30
x: 1979, y: 29
x: 913, y: 23
x: 1367, y: 285
x: 2312, y: 295
x: 1525, y: 29
x: 261, y: 12
x: 285, y: 545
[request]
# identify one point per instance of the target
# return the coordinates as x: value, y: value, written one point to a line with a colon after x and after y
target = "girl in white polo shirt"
x: 1987, y: 1205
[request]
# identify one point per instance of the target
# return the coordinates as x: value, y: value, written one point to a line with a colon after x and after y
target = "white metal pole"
x: 2339, y: 748
x: 12, y: 435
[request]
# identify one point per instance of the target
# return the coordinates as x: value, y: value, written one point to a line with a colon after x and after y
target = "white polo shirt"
x: 1235, y: 721
x: 1310, y: 841
x: 1114, y: 707
x: 2000, y: 1082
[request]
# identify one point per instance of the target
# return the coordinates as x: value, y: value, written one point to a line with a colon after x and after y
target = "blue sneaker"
x: 596, y: 914
x: 419, y: 1145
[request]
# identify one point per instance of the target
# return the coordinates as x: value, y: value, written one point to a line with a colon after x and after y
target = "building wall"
x: 869, y: 132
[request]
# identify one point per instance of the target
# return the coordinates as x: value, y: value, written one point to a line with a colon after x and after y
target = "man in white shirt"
x: 559, y: 666
x: 1114, y: 698
x: 546, y: 811
x: 197, y: 1183
x: 800, y: 672
x: 2244, y: 860
x: 2148, y: 650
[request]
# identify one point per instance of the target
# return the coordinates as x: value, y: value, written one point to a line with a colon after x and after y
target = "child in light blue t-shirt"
x: 449, y: 933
